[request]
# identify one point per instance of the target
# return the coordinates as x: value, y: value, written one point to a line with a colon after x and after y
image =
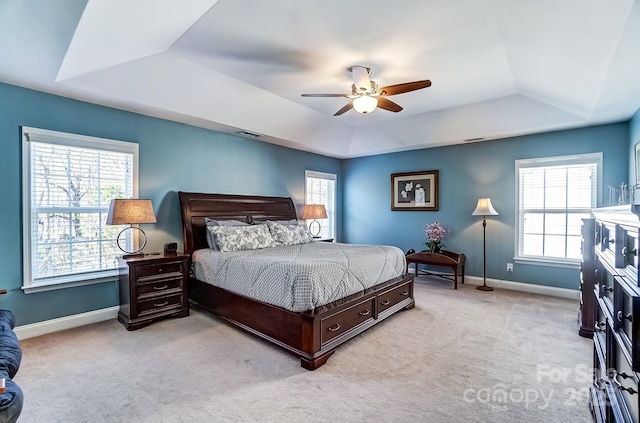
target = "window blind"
x: 321, y: 189
x: 69, y: 184
x: 554, y: 197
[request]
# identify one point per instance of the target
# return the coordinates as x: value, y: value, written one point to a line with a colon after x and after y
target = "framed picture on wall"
x: 415, y: 191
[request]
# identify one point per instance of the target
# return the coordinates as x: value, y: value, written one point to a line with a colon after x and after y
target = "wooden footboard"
x: 313, y: 335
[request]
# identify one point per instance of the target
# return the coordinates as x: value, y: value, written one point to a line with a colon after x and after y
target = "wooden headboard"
x: 196, y: 206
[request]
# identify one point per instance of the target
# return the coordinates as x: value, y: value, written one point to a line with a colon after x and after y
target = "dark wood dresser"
x: 616, y: 358
x: 587, y: 279
x: 152, y: 287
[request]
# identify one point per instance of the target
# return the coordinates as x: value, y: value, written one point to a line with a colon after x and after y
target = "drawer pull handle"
x: 364, y: 313
x: 385, y: 302
x: 160, y: 270
x: 161, y: 304
x: 334, y: 328
x: 623, y: 375
x: 607, y: 288
x: 600, y: 325
x: 160, y: 288
x: 404, y: 293
x: 620, y: 317
x: 627, y: 253
x: 609, y: 241
x: 599, y: 384
x: 622, y: 388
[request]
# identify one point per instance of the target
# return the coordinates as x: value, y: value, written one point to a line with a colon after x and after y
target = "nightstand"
x: 152, y: 287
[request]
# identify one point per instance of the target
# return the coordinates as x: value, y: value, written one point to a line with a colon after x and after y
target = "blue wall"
x: 468, y: 172
x: 176, y: 157
x: 173, y: 157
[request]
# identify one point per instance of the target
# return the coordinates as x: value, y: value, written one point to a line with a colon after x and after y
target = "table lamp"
x: 314, y: 211
x: 131, y: 212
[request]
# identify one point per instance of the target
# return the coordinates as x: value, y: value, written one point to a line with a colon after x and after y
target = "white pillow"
x: 288, y: 234
x: 240, y: 238
x: 212, y: 222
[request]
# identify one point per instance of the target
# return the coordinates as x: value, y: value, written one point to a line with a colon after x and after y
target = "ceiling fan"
x: 367, y: 96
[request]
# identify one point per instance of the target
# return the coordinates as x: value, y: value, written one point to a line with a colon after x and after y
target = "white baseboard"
x: 67, y: 322
x: 572, y: 294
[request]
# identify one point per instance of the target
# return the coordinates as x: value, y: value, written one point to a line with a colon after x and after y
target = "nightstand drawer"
x: 158, y: 304
x: 159, y: 287
x: 158, y: 269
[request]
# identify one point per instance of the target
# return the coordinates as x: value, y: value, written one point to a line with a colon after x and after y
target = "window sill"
x: 540, y: 261
x: 54, y: 284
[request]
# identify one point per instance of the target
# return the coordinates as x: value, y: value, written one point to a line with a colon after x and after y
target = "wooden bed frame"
x: 311, y: 335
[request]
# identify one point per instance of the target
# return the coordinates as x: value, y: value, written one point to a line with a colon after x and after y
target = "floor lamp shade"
x: 484, y: 208
x: 131, y: 212
x: 314, y: 211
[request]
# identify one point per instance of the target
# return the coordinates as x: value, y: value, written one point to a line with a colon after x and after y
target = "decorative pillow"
x: 293, y: 222
x: 212, y: 222
x: 239, y: 238
x: 288, y: 234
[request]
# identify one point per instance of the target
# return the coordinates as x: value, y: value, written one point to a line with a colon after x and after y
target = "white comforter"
x: 300, y: 277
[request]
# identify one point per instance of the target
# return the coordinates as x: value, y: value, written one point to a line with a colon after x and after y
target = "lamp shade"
x: 314, y: 211
x: 365, y: 104
x: 130, y: 211
x: 484, y: 208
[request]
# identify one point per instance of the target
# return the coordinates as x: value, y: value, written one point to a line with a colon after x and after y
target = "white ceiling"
x: 498, y: 68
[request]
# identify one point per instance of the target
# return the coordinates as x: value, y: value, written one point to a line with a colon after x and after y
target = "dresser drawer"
x: 155, y: 270
x: 625, y: 319
x: 627, y: 251
x: 602, y: 314
x: 606, y: 237
x: 392, y: 297
x: 624, y: 382
x: 604, y: 283
x: 346, y: 320
x: 158, y: 287
x: 159, y: 304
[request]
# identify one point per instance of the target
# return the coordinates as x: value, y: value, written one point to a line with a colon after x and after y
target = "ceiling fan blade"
x: 325, y: 95
x: 404, y: 88
x: 346, y: 108
x: 385, y: 103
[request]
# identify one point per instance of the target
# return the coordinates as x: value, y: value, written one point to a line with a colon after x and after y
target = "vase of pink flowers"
x: 435, y: 236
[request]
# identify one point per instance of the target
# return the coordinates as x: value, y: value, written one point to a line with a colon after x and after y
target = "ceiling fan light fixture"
x: 365, y: 104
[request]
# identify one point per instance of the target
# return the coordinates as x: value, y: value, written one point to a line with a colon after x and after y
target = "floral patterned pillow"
x: 289, y: 234
x: 212, y: 222
x: 239, y: 238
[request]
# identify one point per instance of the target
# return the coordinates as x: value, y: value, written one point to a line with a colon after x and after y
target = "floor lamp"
x: 484, y: 209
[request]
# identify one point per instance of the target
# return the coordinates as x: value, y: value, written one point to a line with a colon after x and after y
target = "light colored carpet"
x: 459, y: 356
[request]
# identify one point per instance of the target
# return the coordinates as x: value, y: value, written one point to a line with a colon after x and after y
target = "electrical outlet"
x: 509, y: 267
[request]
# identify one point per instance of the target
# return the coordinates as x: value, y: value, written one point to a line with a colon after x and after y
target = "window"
x: 321, y: 189
x: 68, y: 183
x: 553, y: 195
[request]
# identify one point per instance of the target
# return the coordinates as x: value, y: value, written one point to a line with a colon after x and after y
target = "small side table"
x: 152, y: 287
x: 454, y: 261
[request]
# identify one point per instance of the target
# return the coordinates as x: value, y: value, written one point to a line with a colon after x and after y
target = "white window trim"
x: 551, y: 161
x: 61, y: 138
x: 328, y: 176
